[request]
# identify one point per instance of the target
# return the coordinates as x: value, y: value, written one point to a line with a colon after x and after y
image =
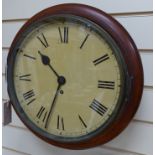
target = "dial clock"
x: 74, y: 76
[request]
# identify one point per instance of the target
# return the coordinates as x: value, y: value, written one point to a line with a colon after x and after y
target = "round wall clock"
x: 74, y: 76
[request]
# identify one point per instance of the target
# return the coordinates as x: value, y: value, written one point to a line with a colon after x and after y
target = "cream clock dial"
x: 74, y: 76
x: 90, y: 73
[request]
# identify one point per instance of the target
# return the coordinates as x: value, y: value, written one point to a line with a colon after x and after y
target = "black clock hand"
x: 46, y: 61
x: 61, y: 81
x: 52, y: 105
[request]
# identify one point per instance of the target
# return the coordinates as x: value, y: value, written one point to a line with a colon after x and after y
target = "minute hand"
x: 52, y: 106
x: 46, y: 61
x: 61, y: 81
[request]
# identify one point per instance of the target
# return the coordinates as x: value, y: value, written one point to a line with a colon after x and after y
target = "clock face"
x: 68, y: 78
x: 72, y: 71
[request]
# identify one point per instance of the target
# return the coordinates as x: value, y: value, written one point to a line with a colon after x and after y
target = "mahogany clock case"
x: 132, y: 67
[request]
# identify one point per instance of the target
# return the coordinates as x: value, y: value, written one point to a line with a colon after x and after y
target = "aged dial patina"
x: 68, y: 77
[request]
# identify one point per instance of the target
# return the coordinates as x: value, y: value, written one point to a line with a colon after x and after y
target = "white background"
x: 136, y: 139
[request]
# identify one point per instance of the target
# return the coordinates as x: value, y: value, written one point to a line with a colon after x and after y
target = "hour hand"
x: 46, y: 61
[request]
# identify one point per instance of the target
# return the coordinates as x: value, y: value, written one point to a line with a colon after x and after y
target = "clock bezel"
x: 130, y: 56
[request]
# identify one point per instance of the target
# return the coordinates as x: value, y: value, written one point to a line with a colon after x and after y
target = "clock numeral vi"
x: 60, y: 123
x: 106, y: 84
x: 63, y: 34
x: 42, y: 113
x: 101, y: 59
x: 98, y: 107
x: 43, y: 40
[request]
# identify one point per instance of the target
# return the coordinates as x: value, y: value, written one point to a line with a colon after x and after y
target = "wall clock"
x: 74, y: 76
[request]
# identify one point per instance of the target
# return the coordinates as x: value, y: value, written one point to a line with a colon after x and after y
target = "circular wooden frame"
x: 131, y: 58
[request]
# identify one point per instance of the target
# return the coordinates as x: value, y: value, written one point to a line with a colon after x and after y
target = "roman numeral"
x: 64, y: 34
x: 28, y: 56
x: 42, y: 113
x: 31, y: 101
x: 43, y: 40
x: 28, y: 95
x: 44, y: 116
x: 25, y: 77
x: 101, y: 59
x: 60, y: 123
x: 106, y: 84
x: 82, y: 121
x: 84, y: 41
x: 98, y: 107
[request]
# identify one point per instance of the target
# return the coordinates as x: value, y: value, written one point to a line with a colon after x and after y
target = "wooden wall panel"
x: 138, y: 137
x: 33, y: 145
x: 25, y: 9
x: 145, y: 111
x: 147, y: 61
x: 7, y: 151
